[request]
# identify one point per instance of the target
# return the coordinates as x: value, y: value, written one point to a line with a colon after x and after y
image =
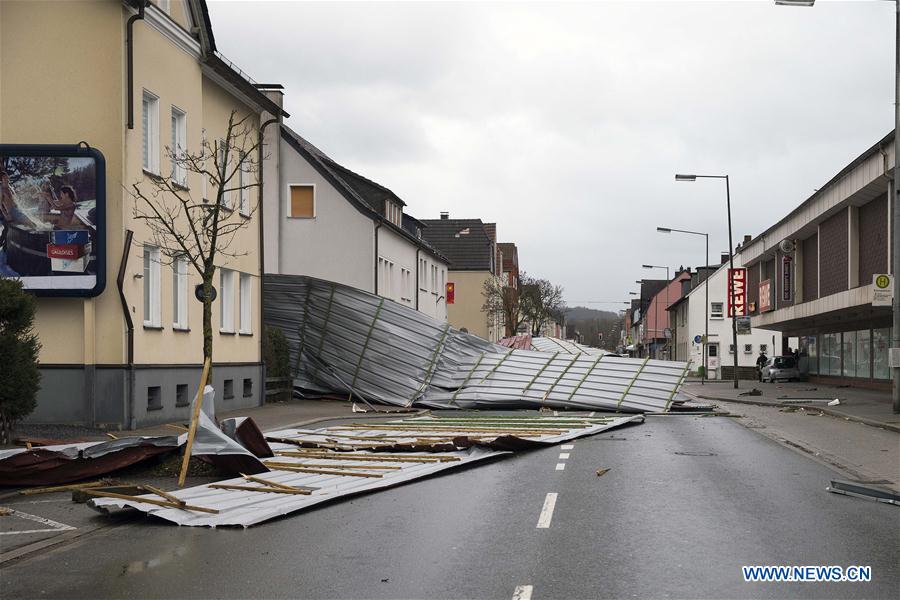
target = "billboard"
x: 765, y: 295
x: 737, y: 281
x: 52, y: 218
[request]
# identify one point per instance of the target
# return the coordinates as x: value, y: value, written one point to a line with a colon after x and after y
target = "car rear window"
x: 785, y: 362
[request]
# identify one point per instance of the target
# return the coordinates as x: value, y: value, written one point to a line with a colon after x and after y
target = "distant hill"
x: 589, y: 324
x: 579, y: 313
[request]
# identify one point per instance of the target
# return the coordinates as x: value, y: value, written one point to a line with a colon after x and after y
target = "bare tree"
x: 202, y: 230
x: 541, y: 302
x: 501, y: 304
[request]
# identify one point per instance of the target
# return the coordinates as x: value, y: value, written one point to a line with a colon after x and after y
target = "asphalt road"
x: 687, y: 501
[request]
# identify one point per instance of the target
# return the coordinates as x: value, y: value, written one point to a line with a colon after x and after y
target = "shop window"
x: 812, y: 349
x: 228, y: 389
x: 248, y: 388
x: 864, y: 353
x: 881, y: 342
x: 848, y: 354
x: 830, y: 358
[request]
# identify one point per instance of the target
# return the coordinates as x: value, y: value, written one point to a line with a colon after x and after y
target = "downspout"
x: 129, y: 44
x: 129, y: 325
x: 417, y: 276
x: 377, y: 227
x: 262, y: 256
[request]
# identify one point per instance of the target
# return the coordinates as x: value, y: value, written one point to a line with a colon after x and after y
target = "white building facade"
x: 689, y: 316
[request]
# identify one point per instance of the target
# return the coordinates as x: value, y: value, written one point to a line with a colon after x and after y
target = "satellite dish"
x: 786, y: 246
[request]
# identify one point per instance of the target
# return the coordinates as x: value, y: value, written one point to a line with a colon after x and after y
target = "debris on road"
x: 834, y: 402
x: 867, y: 492
x: 753, y: 392
x: 602, y: 472
x: 346, y: 341
x: 315, y: 466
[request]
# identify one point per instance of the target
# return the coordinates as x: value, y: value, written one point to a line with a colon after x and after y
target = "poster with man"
x: 52, y: 201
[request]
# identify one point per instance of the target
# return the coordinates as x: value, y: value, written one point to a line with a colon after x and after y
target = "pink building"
x: 657, y: 315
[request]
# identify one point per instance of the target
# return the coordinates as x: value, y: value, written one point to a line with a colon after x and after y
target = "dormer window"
x: 462, y: 232
x: 393, y: 212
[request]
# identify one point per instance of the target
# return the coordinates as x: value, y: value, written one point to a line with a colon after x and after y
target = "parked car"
x: 780, y: 367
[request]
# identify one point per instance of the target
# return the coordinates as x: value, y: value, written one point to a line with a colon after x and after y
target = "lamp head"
x: 647, y: 266
x: 683, y: 177
x: 663, y: 230
x: 794, y: 2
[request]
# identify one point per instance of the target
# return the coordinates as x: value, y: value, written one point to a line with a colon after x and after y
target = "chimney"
x: 747, y: 239
x: 724, y: 258
x: 445, y: 216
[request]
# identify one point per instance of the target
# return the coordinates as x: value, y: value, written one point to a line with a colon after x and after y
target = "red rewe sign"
x: 737, y: 286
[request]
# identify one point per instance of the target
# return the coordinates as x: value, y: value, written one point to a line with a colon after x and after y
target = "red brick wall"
x: 873, y: 239
x: 833, y: 254
x: 810, y: 268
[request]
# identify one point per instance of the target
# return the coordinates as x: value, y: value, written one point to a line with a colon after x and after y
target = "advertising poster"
x: 737, y: 281
x: 52, y: 209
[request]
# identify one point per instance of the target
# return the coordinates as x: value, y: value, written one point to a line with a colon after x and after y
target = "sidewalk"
x: 272, y: 416
x: 861, y: 405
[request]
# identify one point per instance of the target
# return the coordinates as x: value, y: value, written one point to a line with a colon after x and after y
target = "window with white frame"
x: 748, y: 348
x: 203, y: 178
x: 222, y: 173
x: 243, y: 183
x: 423, y: 275
x: 179, y: 143
x: 764, y: 348
x: 246, y: 295
x: 226, y: 301
x: 180, y: 293
x: 150, y: 132
x: 405, y: 285
x: 730, y: 348
x: 443, y: 288
x: 152, y: 309
x: 716, y: 310
x: 434, y: 279
x: 386, y: 278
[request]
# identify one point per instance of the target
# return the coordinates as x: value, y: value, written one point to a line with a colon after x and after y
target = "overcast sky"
x: 565, y: 123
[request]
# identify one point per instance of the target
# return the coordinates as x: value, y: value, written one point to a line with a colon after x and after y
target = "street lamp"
x: 706, y: 290
x: 682, y: 177
x: 657, y: 304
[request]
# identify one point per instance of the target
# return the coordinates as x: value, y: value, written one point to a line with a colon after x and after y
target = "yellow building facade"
x: 64, y: 78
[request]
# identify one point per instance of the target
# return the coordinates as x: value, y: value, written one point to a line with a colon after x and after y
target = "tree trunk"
x: 207, y: 318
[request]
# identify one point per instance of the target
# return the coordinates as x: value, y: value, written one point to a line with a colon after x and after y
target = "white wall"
x: 401, y: 252
x: 720, y: 329
x: 336, y: 245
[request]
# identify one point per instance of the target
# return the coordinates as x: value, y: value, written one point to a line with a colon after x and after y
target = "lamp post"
x: 667, y: 298
x: 682, y: 177
x: 895, y: 185
x: 706, y: 299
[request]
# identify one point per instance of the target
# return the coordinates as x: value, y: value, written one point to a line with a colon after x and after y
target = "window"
x: 243, y: 182
x: 150, y: 132
x: 222, y: 171
x: 386, y: 278
x: 443, y: 288
x: 848, y: 354
x: 730, y: 348
x: 228, y: 389
x: 406, y: 285
x: 812, y: 349
x: 303, y: 202
x: 830, y: 358
x: 764, y: 348
x: 423, y: 275
x: 180, y: 293
x: 748, y: 348
x: 179, y: 143
x: 881, y: 341
x: 712, y: 351
x: 226, y: 301
x: 434, y: 280
x: 203, y: 179
x: 163, y: 5
x: 246, y: 293
x: 248, y: 388
x: 181, y: 394
x: 154, y: 398
x: 151, y: 287
x: 715, y: 310
x: 864, y: 353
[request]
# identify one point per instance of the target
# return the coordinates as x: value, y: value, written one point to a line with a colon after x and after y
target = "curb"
x: 827, y: 410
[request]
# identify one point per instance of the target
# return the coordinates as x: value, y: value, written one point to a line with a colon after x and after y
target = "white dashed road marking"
x: 52, y: 525
x: 563, y: 455
x: 568, y: 446
x: 523, y: 592
x: 547, y: 511
x: 560, y: 466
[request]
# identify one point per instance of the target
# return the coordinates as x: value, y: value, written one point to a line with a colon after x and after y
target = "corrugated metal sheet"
x: 245, y: 508
x: 552, y: 344
x: 344, y: 340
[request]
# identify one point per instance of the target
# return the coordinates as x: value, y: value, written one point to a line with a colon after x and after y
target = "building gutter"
x: 262, y: 256
x: 129, y: 45
x: 417, y: 277
x: 129, y: 325
x: 378, y: 224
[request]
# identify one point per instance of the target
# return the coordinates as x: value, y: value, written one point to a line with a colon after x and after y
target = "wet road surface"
x: 686, y: 502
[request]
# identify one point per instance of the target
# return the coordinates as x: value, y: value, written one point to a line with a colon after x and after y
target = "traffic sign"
x: 883, y: 292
